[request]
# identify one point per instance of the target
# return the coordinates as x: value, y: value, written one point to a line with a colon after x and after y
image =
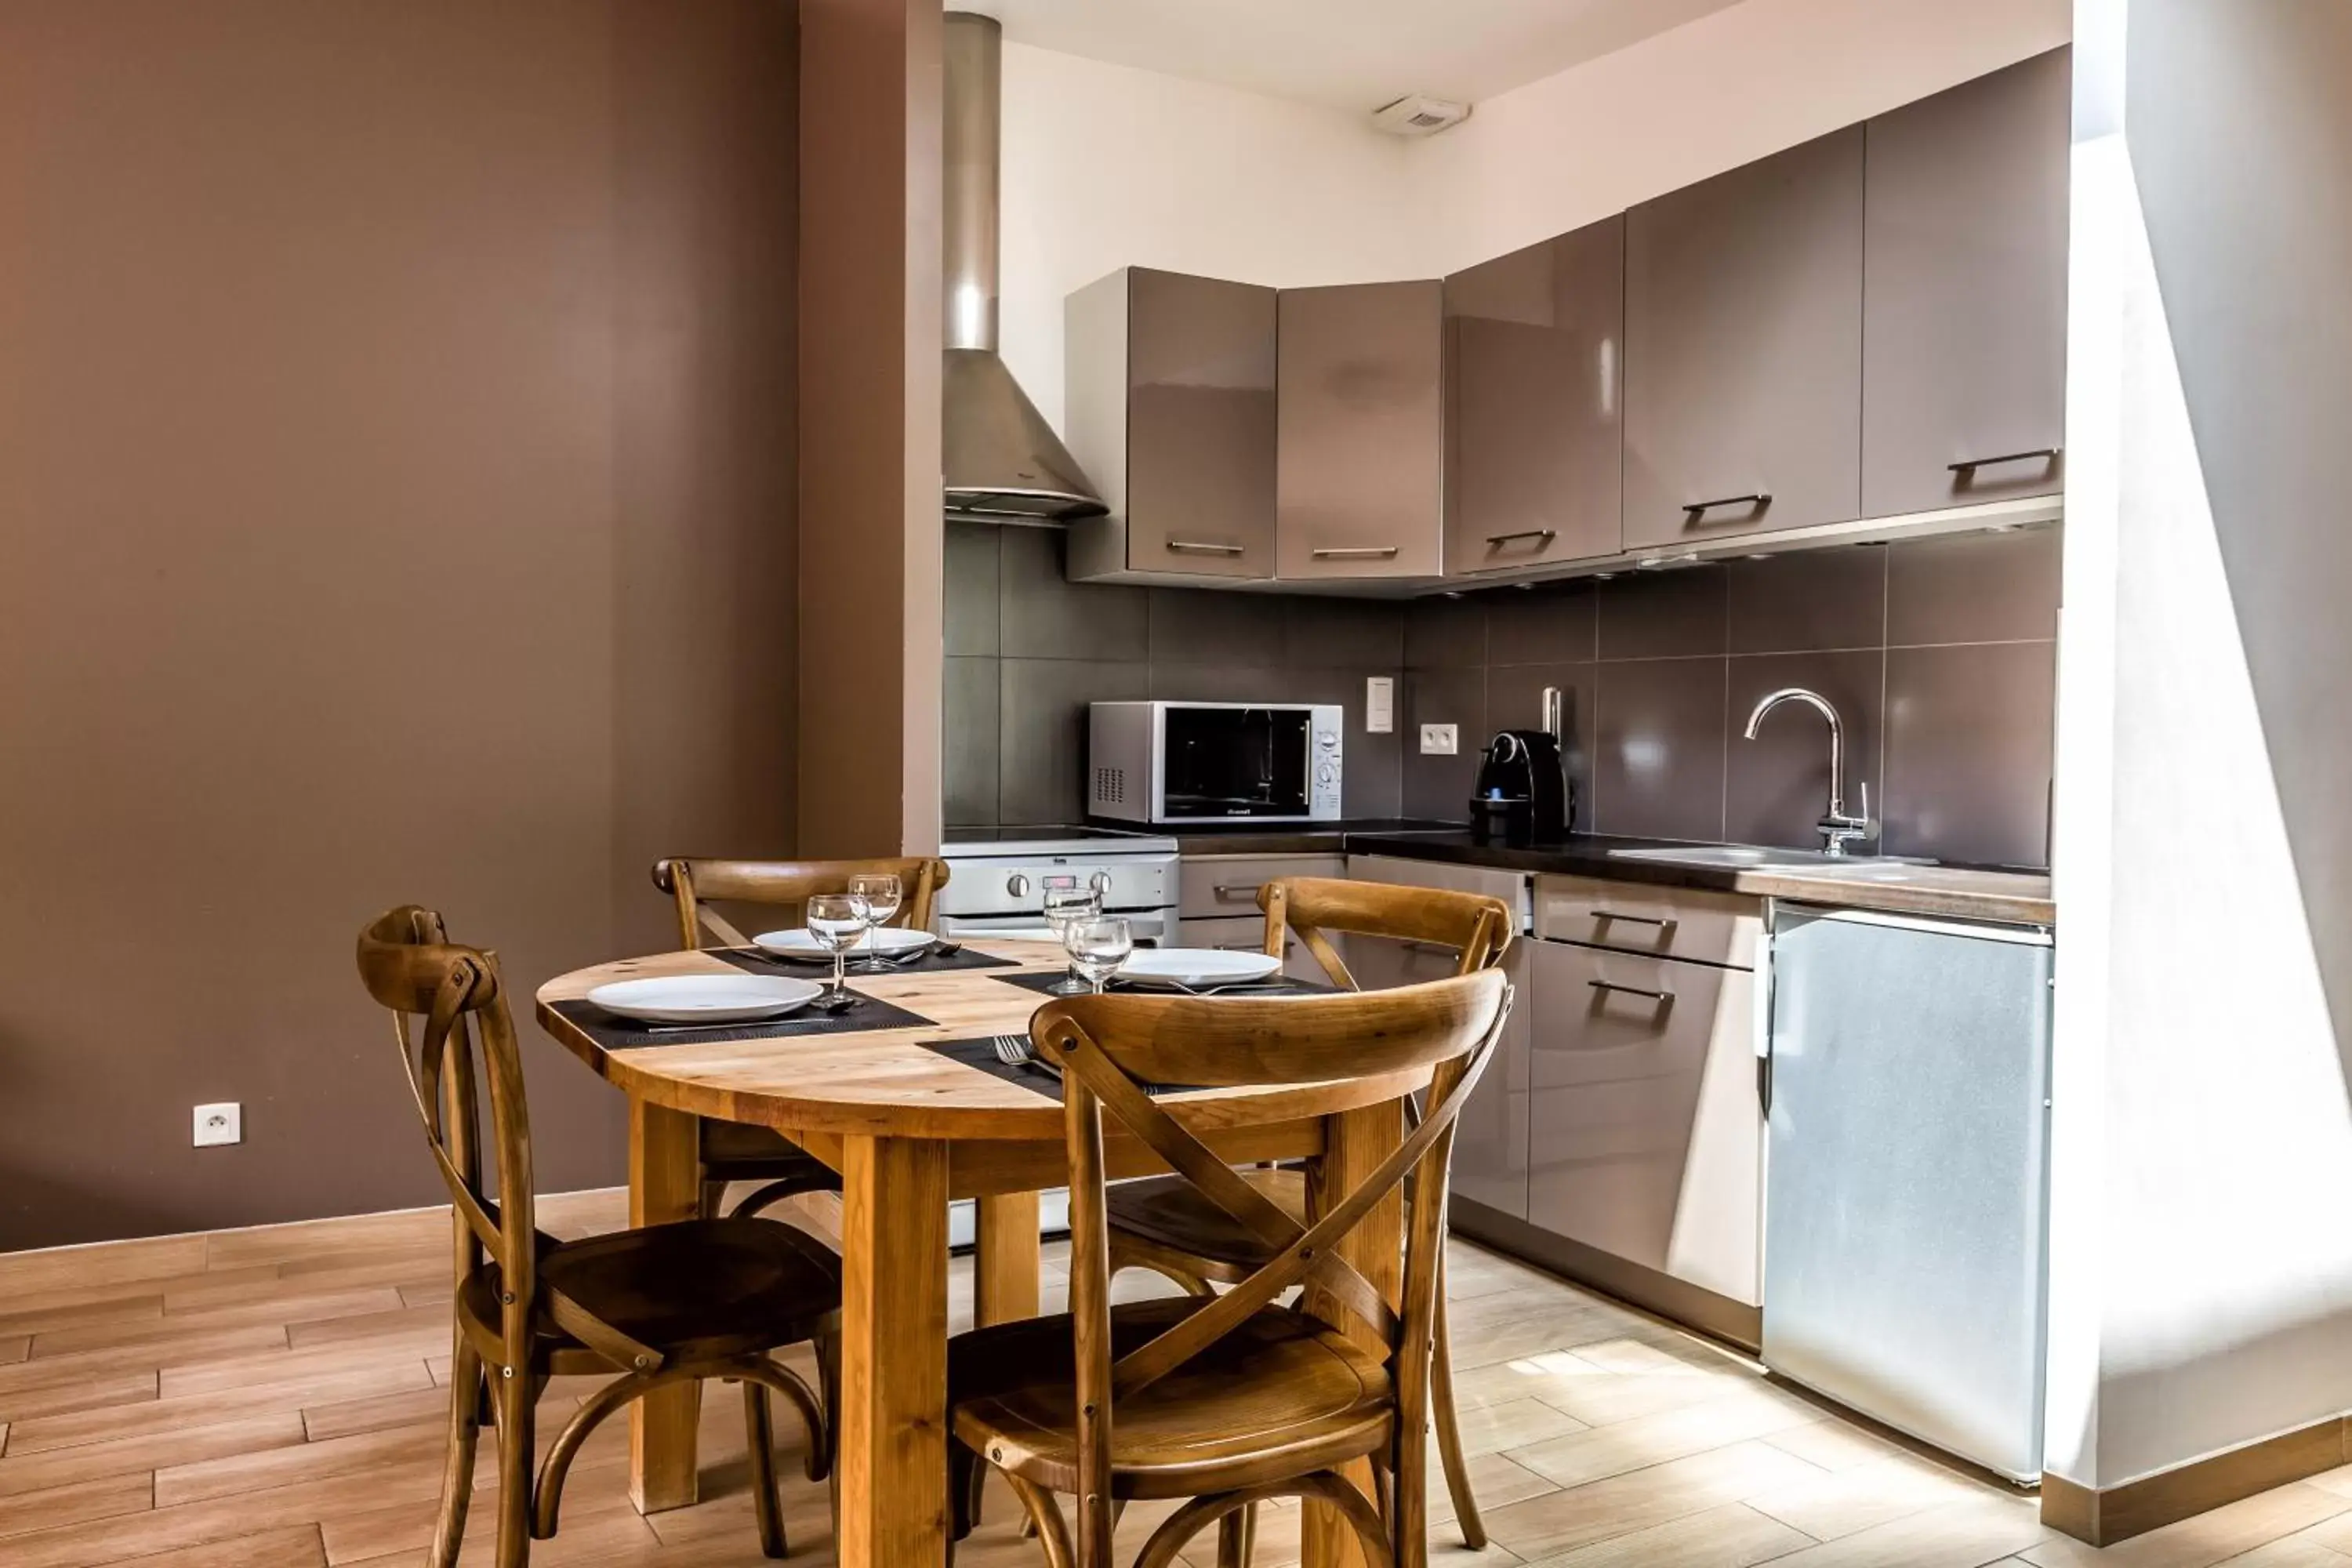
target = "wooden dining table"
x: 908, y: 1128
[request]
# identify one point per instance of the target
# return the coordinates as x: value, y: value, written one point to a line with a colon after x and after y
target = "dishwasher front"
x: 1906, y: 1174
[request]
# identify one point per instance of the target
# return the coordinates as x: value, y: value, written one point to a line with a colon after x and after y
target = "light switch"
x: 1437, y: 740
x: 1380, y: 704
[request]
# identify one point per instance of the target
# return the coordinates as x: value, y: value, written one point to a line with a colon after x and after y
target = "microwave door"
x: 1234, y: 763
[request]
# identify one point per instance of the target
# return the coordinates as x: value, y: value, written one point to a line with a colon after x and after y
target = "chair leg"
x: 1236, y: 1534
x: 760, y: 1439
x: 464, y: 1433
x: 710, y: 1197
x: 1449, y: 1431
x: 517, y: 1426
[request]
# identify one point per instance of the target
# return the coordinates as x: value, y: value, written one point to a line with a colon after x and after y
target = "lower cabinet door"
x: 1646, y: 1129
x: 1490, y: 1141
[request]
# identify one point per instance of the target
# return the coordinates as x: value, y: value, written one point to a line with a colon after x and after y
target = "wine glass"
x: 835, y: 922
x: 1099, y: 945
x: 1064, y: 907
x: 881, y: 892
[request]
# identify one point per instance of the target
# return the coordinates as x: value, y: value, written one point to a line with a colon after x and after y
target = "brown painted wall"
x: 396, y: 403
x: 870, y: 487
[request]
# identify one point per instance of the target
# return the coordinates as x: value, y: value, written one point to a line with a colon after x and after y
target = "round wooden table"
x: 908, y: 1128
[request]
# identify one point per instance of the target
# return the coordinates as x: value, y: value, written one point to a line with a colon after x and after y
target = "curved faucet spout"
x: 1836, y: 826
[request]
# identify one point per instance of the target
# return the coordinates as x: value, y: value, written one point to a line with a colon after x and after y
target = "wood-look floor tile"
x: 1861, y: 1495
x: 96, y: 1394
x: 166, y: 1328
x: 1496, y: 1481
x: 284, y: 1365
x: 201, y: 1347
x: 597, y: 1521
x: 1957, y: 1535
x: 1598, y: 1451
x: 107, y: 1263
x: 105, y: 1498
x: 296, y: 1547
x: 254, y: 1397
x: 403, y: 1230
x: 1732, y: 1536
x: 146, y: 1452
x: 2294, y: 1552
x: 1513, y: 1424
x: 292, y: 1308
x: 1559, y: 1521
x: 15, y: 1347
x: 263, y: 1470
x: 426, y: 1327
x: 23, y: 1320
x: 269, y: 1283
x: 1834, y: 1445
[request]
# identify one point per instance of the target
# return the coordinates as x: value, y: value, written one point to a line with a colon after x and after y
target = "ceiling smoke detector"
x: 1418, y: 114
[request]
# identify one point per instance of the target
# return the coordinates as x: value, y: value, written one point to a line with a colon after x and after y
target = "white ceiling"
x: 1352, y: 55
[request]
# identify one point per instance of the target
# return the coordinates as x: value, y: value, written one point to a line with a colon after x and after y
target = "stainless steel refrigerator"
x: 1908, y: 1171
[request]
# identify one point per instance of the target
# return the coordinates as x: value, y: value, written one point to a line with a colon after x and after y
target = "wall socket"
x: 222, y: 1123
x: 1437, y: 740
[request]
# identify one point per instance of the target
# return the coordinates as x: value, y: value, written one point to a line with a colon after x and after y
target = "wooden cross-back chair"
x: 1233, y: 1400
x: 732, y: 1152
x: 654, y: 1306
x: 1165, y: 1225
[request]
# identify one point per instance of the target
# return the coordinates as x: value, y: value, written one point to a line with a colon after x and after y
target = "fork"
x: 1014, y: 1052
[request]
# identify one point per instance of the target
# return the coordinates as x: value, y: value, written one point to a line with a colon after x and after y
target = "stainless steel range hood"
x: 1002, y: 461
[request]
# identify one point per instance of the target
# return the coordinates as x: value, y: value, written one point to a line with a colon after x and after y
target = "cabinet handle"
x: 1200, y: 547
x: 1353, y: 553
x: 1227, y: 889
x: 1604, y: 915
x: 1973, y: 464
x: 1632, y: 991
x: 1410, y: 945
x: 1545, y: 534
x: 1288, y: 948
x: 1699, y: 509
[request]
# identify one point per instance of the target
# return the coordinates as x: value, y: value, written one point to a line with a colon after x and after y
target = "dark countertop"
x: 1957, y: 892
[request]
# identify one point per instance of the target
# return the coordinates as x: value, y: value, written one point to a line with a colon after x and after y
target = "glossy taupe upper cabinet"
x: 1964, y: 292
x: 1534, y: 377
x: 1743, y: 349
x: 1169, y: 382
x: 1360, y: 472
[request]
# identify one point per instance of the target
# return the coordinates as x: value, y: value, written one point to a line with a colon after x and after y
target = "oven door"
x: 1217, y: 764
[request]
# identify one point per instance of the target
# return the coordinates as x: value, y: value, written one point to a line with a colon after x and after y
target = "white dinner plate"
x: 1196, y: 966
x: 704, y: 998
x: 890, y: 942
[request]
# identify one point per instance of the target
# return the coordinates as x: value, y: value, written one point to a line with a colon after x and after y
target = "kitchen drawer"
x: 1645, y: 1128
x: 1639, y: 917
x: 1240, y: 934
x: 1228, y: 884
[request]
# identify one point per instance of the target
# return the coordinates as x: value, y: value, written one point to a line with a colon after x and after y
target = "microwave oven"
x: 1214, y: 761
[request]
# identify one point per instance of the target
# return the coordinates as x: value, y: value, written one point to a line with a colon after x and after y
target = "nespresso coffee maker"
x: 1522, y: 794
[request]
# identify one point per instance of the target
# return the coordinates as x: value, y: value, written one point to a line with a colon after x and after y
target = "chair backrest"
x: 1110, y: 1046
x: 1475, y: 925
x: 446, y: 1001
x: 787, y: 884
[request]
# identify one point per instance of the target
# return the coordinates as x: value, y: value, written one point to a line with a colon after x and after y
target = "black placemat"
x: 1043, y: 984
x: 1039, y: 1080
x: 752, y: 960
x: 618, y: 1033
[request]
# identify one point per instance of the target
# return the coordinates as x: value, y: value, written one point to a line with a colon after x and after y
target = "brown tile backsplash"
x: 1973, y: 587
x: 1939, y: 655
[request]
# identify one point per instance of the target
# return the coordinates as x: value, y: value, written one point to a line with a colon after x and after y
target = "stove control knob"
x: 1101, y: 882
x: 1017, y: 885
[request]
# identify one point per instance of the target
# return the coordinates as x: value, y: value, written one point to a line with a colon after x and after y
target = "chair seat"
x: 1169, y: 1212
x: 696, y: 1289
x: 1282, y: 1394
x: 741, y: 1152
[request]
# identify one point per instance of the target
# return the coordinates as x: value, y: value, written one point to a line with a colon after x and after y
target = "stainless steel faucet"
x: 1838, y: 829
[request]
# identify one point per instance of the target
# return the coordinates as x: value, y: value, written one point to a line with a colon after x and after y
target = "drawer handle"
x: 1601, y: 917
x: 1227, y: 889
x: 1971, y: 465
x: 1757, y: 501
x: 1543, y: 535
x: 1288, y: 948
x: 1202, y: 547
x: 1410, y: 945
x: 1353, y: 553
x: 1659, y: 996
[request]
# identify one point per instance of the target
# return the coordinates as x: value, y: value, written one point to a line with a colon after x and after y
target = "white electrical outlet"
x: 1437, y: 740
x: 222, y: 1123
x: 1380, y: 704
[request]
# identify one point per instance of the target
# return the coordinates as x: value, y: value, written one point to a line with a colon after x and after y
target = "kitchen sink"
x: 1757, y: 857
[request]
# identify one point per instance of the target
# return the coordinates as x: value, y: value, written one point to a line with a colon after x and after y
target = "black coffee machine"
x: 1522, y: 794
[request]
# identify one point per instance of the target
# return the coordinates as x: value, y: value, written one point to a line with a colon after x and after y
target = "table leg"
x: 664, y: 1185
x: 1006, y: 1260
x: 1356, y: 1141
x: 894, y: 1337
